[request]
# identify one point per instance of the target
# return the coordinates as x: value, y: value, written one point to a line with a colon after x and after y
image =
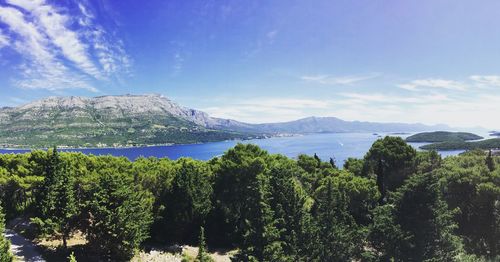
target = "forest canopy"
x: 395, y: 204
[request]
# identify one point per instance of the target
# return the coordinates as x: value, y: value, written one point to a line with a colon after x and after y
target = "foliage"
x: 392, y: 161
x: 416, y: 225
x: 119, y: 216
x: 5, y: 255
x: 202, y: 248
x: 442, y: 136
x: 268, y: 207
x: 462, y: 145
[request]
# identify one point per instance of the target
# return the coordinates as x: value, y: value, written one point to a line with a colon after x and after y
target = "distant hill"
x: 330, y: 125
x: 129, y: 120
x: 442, y: 136
x: 463, y: 145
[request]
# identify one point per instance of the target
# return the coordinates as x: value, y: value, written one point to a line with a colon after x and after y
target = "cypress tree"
x: 202, y: 248
x: 5, y: 255
x: 490, y: 162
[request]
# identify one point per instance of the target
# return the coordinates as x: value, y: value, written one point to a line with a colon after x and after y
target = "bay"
x: 339, y: 146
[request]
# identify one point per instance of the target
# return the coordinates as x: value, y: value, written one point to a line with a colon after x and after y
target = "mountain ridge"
x: 128, y: 120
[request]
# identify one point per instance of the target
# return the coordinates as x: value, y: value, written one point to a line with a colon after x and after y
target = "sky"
x: 428, y: 61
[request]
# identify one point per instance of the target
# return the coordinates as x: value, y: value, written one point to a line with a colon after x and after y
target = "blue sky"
x: 430, y: 61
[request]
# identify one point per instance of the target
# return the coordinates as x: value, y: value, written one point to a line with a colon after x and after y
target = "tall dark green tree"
x: 469, y: 186
x: 189, y: 200
x: 261, y: 237
x: 202, y: 248
x: 291, y: 206
x: 119, y: 216
x: 235, y: 181
x: 392, y: 161
x: 5, y: 255
x: 339, y: 237
x: 58, y: 205
x: 416, y: 225
x: 490, y: 162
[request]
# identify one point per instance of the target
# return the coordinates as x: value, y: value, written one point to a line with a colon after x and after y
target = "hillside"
x: 442, y: 136
x: 463, y: 145
x: 107, y: 121
x: 131, y: 120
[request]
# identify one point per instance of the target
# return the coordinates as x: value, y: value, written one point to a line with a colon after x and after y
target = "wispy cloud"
x: 433, y: 83
x: 338, y: 80
x: 56, y: 54
x: 259, y: 110
x: 486, y: 80
x: 4, y: 40
x: 363, y: 98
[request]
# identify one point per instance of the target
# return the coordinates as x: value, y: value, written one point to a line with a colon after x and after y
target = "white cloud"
x: 433, y: 83
x: 363, y: 98
x: 260, y: 110
x: 56, y: 54
x: 337, y: 80
x: 4, y: 40
x: 486, y: 80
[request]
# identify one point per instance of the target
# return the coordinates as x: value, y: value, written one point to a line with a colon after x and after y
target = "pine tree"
x: 261, y: 237
x: 5, y: 255
x: 332, y: 162
x: 202, y: 248
x: 490, y: 162
x: 120, y: 214
x: 338, y: 234
x: 58, y: 204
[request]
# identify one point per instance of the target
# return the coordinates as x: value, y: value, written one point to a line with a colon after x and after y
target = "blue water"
x: 338, y: 145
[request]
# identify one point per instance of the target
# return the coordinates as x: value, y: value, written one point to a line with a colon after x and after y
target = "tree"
x: 490, y: 162
x: 291, y: 205
x: 235, y: 177
x: 5, y: 255
x: 260, y: 235
x: 339, y: 237
x: 416, y: 224
x: 392, y: 160
x: 188, y: 202
x: 119, y: 215
x: 332, y: 162
x: 469, y: 186
x: 58, y: 204
x: 202, y: 248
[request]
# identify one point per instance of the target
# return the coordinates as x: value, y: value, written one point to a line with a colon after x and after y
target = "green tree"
x: 416, y: 225
x: 202, y: 256
x: 339, y: 237
x: 119, y: 216
x: 392, y: 161
x: 236, y: 173
x: 5, y: 255
x: 490, y: 162
x: 260, y: 235
x: 291, y: 206
x: 469, y: 186
x: 58, y: 204
x: 188, y: 202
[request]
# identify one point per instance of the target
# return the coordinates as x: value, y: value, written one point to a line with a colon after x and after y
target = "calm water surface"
x: 339, y: 145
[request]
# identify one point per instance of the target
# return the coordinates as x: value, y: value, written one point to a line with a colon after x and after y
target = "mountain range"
x: 131, y: 120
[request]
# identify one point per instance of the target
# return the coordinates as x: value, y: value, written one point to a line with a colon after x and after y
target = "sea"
x: 338, y: 146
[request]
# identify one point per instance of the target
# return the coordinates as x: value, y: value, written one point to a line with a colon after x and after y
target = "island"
x: 487, y: 144
x: 442, y: 136
x: 494, y: 133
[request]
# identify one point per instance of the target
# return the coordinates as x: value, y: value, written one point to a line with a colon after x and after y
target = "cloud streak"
x: 55, y: 54
x: 337, y: 80
x: 433, y: 83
